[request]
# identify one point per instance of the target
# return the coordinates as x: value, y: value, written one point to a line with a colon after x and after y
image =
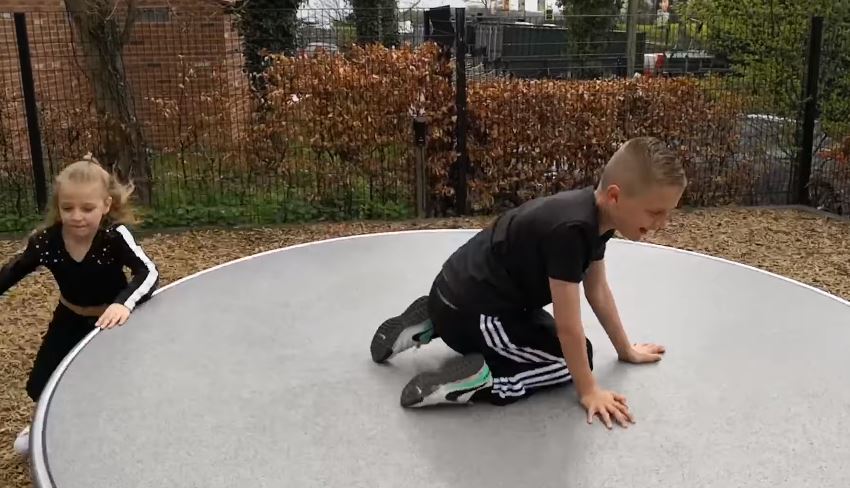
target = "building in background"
x: 183, y: 63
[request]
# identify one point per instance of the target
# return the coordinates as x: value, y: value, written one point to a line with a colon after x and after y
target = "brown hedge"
x: 829, y: 186
x: 525, y: 138
x: 534, y: 137
x: 335, y: 123
x: 340, y: 118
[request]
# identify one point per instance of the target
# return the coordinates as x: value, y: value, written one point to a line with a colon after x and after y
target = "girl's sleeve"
x: 19, y: 266
x: 145, y: 276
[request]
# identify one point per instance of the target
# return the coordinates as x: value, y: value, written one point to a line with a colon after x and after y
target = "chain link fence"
x: 829, y: 186
x: 225, y: 116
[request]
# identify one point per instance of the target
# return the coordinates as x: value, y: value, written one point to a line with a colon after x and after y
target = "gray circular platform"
x: 257, y: 374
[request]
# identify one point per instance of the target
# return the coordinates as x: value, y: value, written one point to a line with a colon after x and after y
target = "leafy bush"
x: 766, y: 45
x: 829, y: 186
x: 17, y: 194
x: 526, y: 137
x: 536, y: 137
x: 334, y: 139
x: 340, y: 124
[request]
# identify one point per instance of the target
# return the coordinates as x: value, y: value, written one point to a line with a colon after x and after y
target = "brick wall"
x: 12, y: 122
x: 183, y: 65
x: 31, y: 5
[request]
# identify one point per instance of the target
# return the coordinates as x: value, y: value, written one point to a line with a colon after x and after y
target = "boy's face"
x: 636, y: 215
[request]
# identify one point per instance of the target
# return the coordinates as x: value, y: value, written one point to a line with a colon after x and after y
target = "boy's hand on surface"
x: 607, y: 404
x: 643, y: 353
x: 116, y: 314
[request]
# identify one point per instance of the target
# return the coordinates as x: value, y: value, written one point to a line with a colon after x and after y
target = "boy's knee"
x: 589, y: 352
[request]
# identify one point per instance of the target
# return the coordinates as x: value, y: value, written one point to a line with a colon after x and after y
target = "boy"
x: 487, y: 301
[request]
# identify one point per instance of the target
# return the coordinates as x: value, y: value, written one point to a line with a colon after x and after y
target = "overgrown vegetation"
x: 526, y: 138
x: 101, y: 38
x: 587, y: 21
x: 343, y: 148
x: 766, y: 43
x: 330, y: 136
x: 267, y: 27
x: 375, y: 21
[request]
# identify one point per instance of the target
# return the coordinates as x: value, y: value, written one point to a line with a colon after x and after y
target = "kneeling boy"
x: 487, y: 301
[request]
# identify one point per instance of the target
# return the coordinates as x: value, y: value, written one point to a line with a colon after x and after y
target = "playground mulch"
x: 805, y: 246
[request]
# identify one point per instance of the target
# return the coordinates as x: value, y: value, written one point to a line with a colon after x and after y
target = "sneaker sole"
x: 388, y: 334
x: 459, y: 377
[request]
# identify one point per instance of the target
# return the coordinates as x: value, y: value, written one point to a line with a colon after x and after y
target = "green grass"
x: 204, y: 189
x: 211, y: 191
x: 274, y: 208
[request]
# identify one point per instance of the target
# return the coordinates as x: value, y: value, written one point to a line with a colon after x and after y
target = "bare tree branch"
x: 331, y: 10
x: 129, y: 22
x: 101, y: 44
x: 413, y: 6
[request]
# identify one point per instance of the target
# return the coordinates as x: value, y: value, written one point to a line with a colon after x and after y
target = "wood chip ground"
x: 802, y: 245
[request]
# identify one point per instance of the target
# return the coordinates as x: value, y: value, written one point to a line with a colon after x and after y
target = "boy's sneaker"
x: 22, y: 442
x: 455, y: 382
x: 412, y: 328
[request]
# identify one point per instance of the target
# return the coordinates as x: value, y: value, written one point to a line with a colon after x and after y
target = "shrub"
x: 536, y: 137
x: 526, y: 137
x: 344, y: 123
x: 335, y: 134
x: 829, y: 186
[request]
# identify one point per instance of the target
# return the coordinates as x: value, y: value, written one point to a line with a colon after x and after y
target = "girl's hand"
x: 116, y: 314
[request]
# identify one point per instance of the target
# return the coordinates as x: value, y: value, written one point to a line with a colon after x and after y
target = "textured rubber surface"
x: 258, y: 374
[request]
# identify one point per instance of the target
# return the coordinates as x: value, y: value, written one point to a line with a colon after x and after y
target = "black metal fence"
x: 829, y: 106
x: 212, y: 130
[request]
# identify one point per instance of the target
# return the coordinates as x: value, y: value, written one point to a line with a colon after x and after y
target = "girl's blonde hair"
x: 88, y: 170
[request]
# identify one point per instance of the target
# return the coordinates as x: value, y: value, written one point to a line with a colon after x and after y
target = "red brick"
x: 153, y: 66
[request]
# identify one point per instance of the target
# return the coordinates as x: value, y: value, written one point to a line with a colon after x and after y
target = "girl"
x: 85, y: 245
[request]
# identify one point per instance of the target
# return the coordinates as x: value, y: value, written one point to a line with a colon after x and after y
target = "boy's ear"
x: 613, y: 193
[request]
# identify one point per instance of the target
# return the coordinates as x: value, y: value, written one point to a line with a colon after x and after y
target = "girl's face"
x: 82, y: 207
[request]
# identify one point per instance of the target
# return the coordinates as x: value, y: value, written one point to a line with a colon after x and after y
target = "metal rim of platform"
x: 39, y: 469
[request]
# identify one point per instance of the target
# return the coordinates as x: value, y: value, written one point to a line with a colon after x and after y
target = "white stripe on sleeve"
x: 146, y: 285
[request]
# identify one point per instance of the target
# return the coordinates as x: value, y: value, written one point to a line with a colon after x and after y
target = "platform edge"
x: 39, y: 466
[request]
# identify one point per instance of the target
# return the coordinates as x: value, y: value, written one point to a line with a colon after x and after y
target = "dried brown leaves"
x: 526, y: 137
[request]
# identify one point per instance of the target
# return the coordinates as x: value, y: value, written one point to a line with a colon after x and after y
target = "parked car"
x: 314, y: 47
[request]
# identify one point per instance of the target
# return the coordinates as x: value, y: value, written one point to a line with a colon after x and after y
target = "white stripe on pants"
x: 551, y: 370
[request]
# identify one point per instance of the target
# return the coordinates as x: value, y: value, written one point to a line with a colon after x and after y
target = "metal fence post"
x: 631, y: 37
x: 420, y: 131
x: 460, y: 105
x: 33, y: 129
x: 426, y: 26
x: 809, y: 112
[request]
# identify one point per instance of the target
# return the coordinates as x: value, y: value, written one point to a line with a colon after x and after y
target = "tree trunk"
x: 101, y: 43
x: 376, y: 22
x: 389, y: 23
x: 267, y: 27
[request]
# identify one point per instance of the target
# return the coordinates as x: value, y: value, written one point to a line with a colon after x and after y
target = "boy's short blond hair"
x: 642, y: 163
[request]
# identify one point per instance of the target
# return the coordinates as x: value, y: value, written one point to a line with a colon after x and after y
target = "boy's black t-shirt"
x: 506, y: 267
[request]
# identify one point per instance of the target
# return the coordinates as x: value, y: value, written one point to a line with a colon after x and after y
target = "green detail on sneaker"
x: 481, y: 378
x: 428, y: 334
